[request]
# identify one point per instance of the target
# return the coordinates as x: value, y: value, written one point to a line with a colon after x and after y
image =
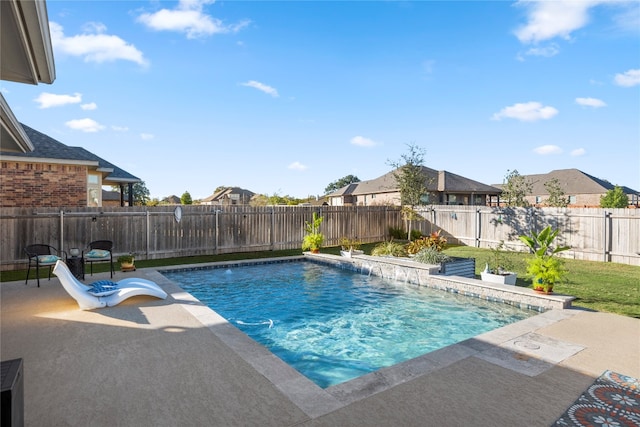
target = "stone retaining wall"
x: 404, y: 269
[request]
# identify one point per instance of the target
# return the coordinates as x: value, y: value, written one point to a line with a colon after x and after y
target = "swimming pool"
x: 334, y: 325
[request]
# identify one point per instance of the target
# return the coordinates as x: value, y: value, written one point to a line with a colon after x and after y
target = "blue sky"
x: 286, y: 97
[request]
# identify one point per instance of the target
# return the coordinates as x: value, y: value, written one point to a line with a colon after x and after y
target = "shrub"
x: 415, y: 246
x: 348, y: 244
x: 416, y: 234
x: 397, y: 233
x: 431, y: 255
x: 389, y: 248
x: 432, y: 240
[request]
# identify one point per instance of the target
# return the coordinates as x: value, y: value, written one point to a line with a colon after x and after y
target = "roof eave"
x: 27, y: 159
x: 25, y: 30
x: 13, y: 138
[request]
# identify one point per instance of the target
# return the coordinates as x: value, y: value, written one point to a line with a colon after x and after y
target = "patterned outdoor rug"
x: 613, y: 400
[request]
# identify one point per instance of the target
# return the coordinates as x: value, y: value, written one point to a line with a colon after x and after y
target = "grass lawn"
x: 609, y: 287
x: 600, y: 286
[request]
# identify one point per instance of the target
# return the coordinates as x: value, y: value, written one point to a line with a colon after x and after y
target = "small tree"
x: 141, y: 195
x: 336, y: 185
x: 259, y: 200
x: 186, y: 199
x: 614, y: 198
x: 515, y: 189
x: 411, y: 180
x: 556, y: 194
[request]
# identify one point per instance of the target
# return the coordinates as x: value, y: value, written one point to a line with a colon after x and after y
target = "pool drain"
x: 527, y: 344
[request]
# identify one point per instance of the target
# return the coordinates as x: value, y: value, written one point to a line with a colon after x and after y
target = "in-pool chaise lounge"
x: 104, y: 293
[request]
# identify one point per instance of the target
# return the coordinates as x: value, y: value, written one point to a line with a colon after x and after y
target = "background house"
x: 581, y: 189
x: 54, y: 174
x: 171, y: 200
x: 229, y: 196
x: 444, y: 188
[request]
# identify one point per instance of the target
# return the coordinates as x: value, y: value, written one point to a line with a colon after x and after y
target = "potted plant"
x: 350, y: 247
x: 497, y: 270
x: 127, y: 262
x: 312, y: 241
x: 545, y: 268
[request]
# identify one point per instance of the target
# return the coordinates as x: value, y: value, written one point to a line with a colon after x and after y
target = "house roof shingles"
x: 245, y: 194
x: 46, y: 147
x: 441, y: 181
x: 572, y: 181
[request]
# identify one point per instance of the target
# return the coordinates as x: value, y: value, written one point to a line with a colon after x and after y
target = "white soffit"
x: 12, y: 136
x: 25, y: 42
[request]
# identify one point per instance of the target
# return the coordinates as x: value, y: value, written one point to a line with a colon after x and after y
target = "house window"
x: 572, y: 200
x: 538, y: 199
x: 94, y: 191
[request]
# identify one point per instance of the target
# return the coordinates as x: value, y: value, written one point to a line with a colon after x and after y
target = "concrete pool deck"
x: 151, y: 362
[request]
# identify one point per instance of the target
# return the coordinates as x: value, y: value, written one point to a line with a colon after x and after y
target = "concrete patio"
x: 151, y: 362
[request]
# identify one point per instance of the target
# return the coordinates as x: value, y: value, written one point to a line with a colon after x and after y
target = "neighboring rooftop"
x: 572, y: 181
x: 47, y: 148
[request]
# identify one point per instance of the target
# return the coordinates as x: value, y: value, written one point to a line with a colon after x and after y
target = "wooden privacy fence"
x: 156, y: 232
x: 609, y: 235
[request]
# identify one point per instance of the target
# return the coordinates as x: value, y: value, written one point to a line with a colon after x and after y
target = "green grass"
x: 600, y: 286
x: 608, y: 287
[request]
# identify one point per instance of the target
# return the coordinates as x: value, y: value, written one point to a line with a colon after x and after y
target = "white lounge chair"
x: 102, y: 294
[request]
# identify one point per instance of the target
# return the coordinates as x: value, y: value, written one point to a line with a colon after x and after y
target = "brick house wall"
x: 28, y: 184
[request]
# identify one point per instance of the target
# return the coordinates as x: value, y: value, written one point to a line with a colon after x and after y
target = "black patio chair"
x: 99, y: 251
x: 41, y: 255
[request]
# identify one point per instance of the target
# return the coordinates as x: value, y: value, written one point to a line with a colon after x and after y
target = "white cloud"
x: 297, y: 166
x: 147, y: 136
x: 628, y: 78
x: 559, y: 18
x: 84, y: 125
x: 94, y: 45
x: 549, y: 19
x: 547, y: 149
x: 578, y: 152
x: 48, y: 100
x: 89, y: 106
x: 262, y: 87
x: 189, y: 18
x: 590, y: 102
x: 361, y: 141
x: 547, y: 51
x: 526, y: 112
x: 628, y: 19
x: 120, y: 128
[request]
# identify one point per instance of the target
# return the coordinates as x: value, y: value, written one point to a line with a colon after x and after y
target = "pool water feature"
x: 333, y: 325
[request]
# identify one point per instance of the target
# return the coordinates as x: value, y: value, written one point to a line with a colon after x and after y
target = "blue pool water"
x: 334, y: 325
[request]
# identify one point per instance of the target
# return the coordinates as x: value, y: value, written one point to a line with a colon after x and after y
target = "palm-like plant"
x: 313, y: 239
x: 544, y: 267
